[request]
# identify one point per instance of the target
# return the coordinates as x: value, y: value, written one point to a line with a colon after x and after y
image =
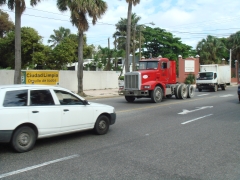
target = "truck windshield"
x: 206, y: 75
x: 148, y: 65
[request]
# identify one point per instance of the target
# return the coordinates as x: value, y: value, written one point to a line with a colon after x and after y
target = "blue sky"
x: 187, y: 19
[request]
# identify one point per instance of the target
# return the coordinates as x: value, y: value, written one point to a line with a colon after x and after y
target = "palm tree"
x: 80, y: 10
x: 58, y: 36
x: 210, y: 50
x: 130, y: 3
x: 19, y: 6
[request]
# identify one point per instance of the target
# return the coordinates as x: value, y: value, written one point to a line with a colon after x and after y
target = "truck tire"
x: 130, y: 98
x: 191, y: 91
x: 157, y: 94
x: 239, y: 98
x: 223, y: 87
x: 23, y: 139
x: 176, y: 91
x: 215, y: 88
x: 182, y: 91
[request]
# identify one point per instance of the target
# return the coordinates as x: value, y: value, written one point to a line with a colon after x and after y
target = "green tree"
x: 19, y: 6
x: 210, y: 50
x: 233, y: 43
x: 58, y: 36
x: 160, y: 42
x: 80, y: 9
x: 129, y: 24
x: 6, y: 24
x: 30, y: 42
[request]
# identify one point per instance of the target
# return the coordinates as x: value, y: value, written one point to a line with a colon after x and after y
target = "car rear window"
x: 15, y: 98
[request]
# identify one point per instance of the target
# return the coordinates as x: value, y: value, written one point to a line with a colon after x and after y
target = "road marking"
x: 227, y: 95
x: 203, y: 94
x: 37, y: 166
x: 167, y: 104
x: 185, y: 111
x: 196, y: 119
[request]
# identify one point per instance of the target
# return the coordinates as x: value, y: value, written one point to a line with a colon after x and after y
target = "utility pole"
x: 140, y: 55
x: 230, y: 63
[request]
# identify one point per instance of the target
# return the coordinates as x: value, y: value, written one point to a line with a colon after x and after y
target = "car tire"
x: 157, y: 94
x: 130, y: 98
x: 23, y: 139
x: 102, y: 125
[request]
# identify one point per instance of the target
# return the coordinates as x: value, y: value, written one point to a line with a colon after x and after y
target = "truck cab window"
x: 215, y: 75
x: 164, y: 65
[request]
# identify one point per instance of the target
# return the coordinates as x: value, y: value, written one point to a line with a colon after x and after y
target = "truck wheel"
x: 102, y: 125
x: 182, y: 91
x: 223, y: 87
x: 191, y: 91
x: 199, y: 89
x: 169, y: 96
x: 157, y: 94
x: 215, y: 88
x: 130, y: 98
x: 176, y: 91
x: 23, y: 139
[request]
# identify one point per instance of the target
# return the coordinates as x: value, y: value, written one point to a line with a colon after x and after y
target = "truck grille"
x: 132, y: 81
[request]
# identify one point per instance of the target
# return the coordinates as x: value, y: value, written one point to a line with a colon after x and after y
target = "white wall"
x: 68, y: 79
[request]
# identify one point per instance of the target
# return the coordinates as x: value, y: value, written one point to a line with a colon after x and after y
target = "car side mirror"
x: 85, y: 102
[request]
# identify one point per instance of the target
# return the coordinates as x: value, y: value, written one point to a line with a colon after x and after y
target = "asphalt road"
x: 197, y: 138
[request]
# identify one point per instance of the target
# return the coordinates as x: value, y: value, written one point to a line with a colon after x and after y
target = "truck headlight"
x: 147, y: 87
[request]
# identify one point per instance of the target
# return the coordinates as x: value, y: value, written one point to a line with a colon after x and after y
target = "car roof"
x: 30, y: 86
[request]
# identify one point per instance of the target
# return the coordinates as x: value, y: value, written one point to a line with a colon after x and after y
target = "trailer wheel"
x: 182, y: 91
x: 191, y: 91
x: 176, y: 91
x: 130, y: 98
x: 215, y: 88
x: 157, y: 94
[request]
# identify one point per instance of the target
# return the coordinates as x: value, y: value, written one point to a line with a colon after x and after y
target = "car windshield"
x: 206, y: 75
x: 148, y: 65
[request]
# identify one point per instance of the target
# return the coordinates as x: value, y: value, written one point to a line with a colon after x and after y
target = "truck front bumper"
x: 205, y: 86
x: 139, y: 93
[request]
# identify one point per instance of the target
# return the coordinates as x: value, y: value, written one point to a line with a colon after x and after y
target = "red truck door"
x: 164, y: 71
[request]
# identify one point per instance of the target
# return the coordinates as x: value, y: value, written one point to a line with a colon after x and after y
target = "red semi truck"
x: 155, y: 79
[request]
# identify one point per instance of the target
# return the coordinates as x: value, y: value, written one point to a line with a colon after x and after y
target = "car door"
x: 44, y: 113
x: 75, y: 115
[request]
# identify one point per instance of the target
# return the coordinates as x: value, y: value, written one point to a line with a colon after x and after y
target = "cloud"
x: 190, y: 20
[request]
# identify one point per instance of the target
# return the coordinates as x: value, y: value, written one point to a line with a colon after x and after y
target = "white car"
x: 30, y: 112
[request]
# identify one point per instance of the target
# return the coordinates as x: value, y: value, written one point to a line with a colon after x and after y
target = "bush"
x: 121, y: 77
x: 190, y: 79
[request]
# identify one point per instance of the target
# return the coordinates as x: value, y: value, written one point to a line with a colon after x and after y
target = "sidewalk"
x: 100, y: 93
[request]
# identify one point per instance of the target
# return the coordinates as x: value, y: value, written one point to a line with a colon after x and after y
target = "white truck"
x: 213, y: 76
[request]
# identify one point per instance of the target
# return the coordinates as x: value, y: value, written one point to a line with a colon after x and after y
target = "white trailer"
x: 213, y: 76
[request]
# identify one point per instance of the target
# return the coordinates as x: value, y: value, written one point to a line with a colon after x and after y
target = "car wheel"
x: 157, y: 94
x: 191, y: 91
x: 23, y: 139
x: 130, y: 98
x: 102, y: 125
